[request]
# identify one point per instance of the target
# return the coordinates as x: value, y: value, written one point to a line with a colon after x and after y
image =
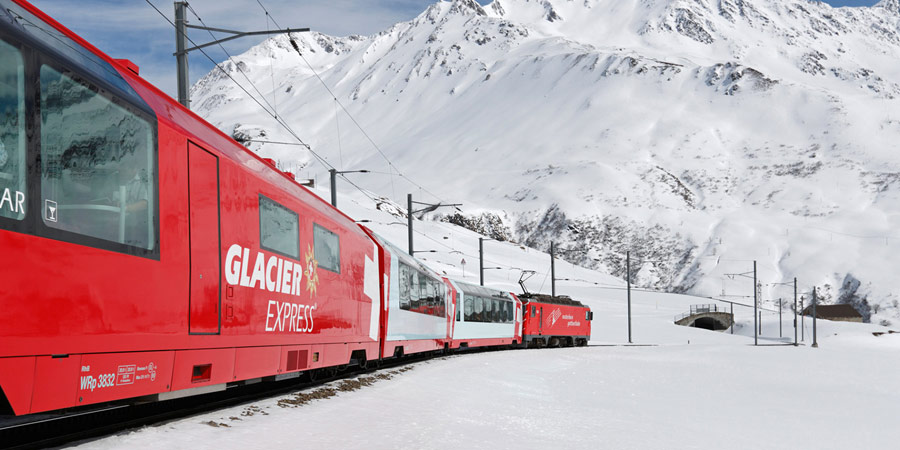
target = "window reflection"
x: 97, y: 164
x: 12, y: 133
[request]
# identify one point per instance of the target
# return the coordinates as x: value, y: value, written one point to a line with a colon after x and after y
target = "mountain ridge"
x: 638, y: 130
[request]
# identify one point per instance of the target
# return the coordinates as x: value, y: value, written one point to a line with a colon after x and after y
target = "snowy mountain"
x: 698, y: 134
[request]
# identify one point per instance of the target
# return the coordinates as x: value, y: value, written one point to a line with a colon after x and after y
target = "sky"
x: 134, y: 30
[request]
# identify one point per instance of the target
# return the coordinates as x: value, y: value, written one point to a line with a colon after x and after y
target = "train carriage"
x: 417, y: 304
x: 146, y: 254
x: 485, y: 317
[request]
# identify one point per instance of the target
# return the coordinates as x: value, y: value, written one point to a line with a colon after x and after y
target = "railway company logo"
x: 246, y: 268
x: 270, y: 273
x: 312, y: 271
x: 554, y: 316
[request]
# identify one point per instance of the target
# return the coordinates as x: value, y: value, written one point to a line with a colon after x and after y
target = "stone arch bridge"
x: 708, y: 317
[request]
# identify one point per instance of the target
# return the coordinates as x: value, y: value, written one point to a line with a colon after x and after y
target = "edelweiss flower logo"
x: 311, y: 272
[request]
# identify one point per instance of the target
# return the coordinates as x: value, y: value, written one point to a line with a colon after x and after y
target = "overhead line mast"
x: 182, y: 50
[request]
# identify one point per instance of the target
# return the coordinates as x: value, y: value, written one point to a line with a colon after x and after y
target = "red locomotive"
x: 148, y: 256
x: 555, y: 321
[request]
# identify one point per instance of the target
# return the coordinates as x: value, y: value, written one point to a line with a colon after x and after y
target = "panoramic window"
x: 404, y: 283
x: 442, y: 299
x: 421, y: 294
x: 430, y: 296
x: 469, y: 309
x: 12, y: 133
x: 98, y: 174
x: 328, y: 249
x: 415, y: 294
x: 279, y: 229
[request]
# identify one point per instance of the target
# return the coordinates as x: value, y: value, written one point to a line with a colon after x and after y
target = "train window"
x: 532, y: 310
x: 469, y: 309
x: 279, y: 228
x: 503, y: 306
x: 510, y: 308
x: 404, y: 286
x: 415, y: 292
x: 430, y: 296
x: 98, y: 172
x: 488, y: 310
x: 12, y: 133
x: 479, y: 310
x: 496, y: 310
x: 327, y: 249
x: 438, y: 299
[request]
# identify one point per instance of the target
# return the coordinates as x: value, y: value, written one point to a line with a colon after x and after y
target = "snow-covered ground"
x: 684, y: 131
x: 688, y: 388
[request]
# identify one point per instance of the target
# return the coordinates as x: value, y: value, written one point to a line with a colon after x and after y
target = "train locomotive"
x: 148, y: 256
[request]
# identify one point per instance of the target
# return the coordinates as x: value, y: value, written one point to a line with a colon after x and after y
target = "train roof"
x: 557, y: 300
x: 474, y: 289
x: 400, y: 254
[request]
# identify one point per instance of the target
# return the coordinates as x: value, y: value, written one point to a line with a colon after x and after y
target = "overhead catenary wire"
x: 352, y: 119
x: 271, y: 67
x: 272, y: 113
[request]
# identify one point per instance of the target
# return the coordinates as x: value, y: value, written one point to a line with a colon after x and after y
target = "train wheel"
x: 554, y: 342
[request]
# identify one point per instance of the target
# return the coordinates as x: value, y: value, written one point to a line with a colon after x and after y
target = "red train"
x: 148, y: 256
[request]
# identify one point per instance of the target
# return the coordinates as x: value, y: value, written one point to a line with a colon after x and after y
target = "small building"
x: 838, y: 313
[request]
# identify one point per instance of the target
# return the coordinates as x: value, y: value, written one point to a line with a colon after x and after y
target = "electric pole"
x: 815, y: 343
x: 755, y: 308
x: 795, y: 312
x: 552, y: 270
x: 182, y: 50
x: 481, y: 261
x: 628, y: 281
x: 409, y: 224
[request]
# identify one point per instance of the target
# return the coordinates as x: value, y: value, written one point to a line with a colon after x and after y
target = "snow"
x: 700, y: 136
x: 677, y: 387
x: 773, y: 142
x: 715, y: 392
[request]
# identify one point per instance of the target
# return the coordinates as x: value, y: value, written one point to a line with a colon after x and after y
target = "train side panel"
x: 556, y: 324
x: 240, y: 273
x: 485, y: 317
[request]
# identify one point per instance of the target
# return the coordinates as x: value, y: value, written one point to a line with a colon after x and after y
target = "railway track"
x: 53, y: 430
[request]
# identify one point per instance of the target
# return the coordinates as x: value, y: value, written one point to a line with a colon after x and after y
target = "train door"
x: 541, y: 321
x: 203, y: 180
